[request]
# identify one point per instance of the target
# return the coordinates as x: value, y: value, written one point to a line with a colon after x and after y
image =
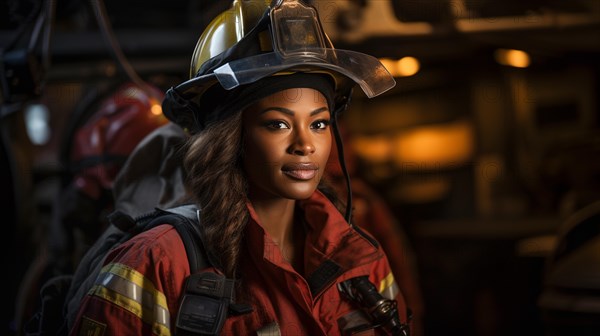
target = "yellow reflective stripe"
x: 388, y: 287
x: 137, y: 278
x: 128, y: 289
x: 132, y: 306
x: 386, y: 282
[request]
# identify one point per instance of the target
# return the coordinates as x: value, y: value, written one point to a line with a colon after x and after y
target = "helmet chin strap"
x: 340, y: 149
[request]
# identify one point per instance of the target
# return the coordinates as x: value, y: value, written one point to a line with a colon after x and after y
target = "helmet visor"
x: 366, y: 71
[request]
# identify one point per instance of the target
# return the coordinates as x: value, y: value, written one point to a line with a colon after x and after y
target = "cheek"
x: 260, y: 159
x: 325, y: 149
x: 259, y: 149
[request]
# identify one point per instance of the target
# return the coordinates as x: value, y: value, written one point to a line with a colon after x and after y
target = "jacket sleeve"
x: 137, y: 290
x: 385, y: 282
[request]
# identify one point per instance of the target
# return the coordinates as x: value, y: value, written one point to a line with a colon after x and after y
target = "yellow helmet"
x: 255, y: 39
x: 227, y: 29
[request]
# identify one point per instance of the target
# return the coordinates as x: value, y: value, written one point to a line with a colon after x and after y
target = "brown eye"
x: 276, y: 125
x: 320, y: 124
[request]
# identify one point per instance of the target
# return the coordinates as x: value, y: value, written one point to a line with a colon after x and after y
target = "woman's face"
x: 287, y: 140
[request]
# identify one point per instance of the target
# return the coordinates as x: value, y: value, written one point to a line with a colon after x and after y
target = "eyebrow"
x: 291, y: 113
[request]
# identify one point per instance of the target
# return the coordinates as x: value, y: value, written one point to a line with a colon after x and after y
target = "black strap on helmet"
x: 341, y: 159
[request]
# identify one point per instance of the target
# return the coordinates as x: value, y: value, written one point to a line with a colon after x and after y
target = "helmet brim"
x: 364, y: 70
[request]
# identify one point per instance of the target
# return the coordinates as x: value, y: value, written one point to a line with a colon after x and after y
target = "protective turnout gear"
x: 136, y: 299
x: 286, y: 37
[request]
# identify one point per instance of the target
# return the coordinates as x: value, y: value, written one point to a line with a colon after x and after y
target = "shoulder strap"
x: 186, y: 220
x: 208, y: 298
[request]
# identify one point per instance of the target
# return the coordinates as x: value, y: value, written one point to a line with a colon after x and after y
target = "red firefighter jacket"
x: 139, y: 289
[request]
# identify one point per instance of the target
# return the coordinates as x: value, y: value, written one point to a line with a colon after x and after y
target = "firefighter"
x: 260, y: 107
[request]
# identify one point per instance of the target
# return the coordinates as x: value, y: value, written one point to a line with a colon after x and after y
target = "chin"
x: 298, y: 192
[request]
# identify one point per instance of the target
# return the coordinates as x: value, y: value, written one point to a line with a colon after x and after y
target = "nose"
x: 302, y: 144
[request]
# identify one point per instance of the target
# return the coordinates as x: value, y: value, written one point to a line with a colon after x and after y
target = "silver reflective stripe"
x: 391, y: 291
x: 271, y: 329
x: 352, y: 320
x: 131, y: 291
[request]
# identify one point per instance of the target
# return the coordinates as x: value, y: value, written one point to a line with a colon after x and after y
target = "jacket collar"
x: 328, y: 238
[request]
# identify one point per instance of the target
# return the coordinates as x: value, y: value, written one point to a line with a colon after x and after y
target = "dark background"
x: 480, y: 161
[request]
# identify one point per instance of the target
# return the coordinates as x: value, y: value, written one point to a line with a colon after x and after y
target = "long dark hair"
x: 217, y: 182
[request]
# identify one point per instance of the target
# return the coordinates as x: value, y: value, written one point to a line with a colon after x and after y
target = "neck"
x: 277, y: 218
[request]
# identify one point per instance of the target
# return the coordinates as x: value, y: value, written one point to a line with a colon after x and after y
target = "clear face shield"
x: 299, y: 44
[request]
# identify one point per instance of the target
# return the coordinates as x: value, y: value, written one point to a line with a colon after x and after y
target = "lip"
x: 300, y: 171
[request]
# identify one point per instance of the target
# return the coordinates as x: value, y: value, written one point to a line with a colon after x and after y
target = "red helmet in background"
x: 103, y: 143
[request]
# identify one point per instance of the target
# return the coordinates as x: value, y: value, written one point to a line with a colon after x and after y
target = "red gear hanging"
x: 101, y: 146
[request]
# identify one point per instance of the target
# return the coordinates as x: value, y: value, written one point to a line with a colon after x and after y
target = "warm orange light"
x: 156, y: 109
x: 373, y: 148
x: 422, y: 190
x: 512, y: 57
x: 404, y: 67
x: 407, y: 66
x: 390, y: 65
x: 433, y: 147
